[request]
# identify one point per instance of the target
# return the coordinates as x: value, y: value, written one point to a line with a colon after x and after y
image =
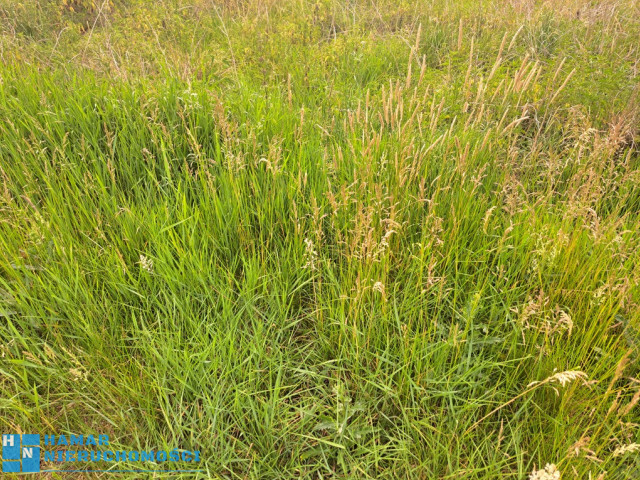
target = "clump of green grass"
x: 325, y: 240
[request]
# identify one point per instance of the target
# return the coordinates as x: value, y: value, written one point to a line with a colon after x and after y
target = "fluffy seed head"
x: 549, y: 472
x: 146, y: 263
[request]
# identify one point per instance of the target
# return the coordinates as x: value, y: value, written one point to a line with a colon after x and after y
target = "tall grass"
x: 325, y: 240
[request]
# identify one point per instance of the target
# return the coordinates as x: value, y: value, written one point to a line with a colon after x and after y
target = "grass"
x: 324, y: 239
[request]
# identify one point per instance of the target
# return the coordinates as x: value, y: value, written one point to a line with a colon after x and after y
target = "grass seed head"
x: 146, y: 263
x: 632, y: 447
x: 549, y: 472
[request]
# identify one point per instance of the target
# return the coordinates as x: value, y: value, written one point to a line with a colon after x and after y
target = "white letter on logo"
x: 27, y: 452
x: 7, y: 440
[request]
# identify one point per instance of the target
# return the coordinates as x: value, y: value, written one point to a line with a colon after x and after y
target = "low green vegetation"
x: 317, y: 240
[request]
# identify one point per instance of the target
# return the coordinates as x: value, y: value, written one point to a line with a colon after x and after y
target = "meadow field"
x: 322, y: 239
